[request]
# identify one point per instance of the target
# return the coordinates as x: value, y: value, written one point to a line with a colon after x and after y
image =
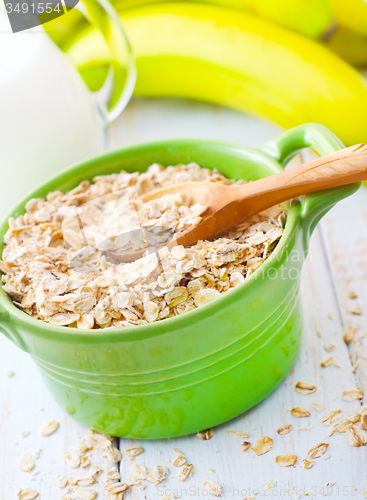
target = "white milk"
x: 48, y: 119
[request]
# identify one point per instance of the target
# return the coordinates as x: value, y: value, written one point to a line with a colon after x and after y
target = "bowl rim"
x: 141, y: 332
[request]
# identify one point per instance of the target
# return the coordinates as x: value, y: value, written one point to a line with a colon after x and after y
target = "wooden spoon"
x: 228, y: 206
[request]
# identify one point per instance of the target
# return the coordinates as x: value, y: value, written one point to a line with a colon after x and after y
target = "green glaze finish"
x: 194, y: 371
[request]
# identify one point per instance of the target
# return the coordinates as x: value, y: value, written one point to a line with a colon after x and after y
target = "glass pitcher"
x: 48, y: 117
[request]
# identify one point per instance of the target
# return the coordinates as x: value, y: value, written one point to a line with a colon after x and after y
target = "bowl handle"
x: 319, y: 138
x: 9, y: 331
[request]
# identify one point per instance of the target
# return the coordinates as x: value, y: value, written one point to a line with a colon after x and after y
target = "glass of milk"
x: 48, y: 117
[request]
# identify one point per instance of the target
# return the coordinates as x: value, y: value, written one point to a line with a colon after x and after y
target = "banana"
x: 237, y: 60
x: 311, y: 18
x: 351, y: 14
x: 349, y: 45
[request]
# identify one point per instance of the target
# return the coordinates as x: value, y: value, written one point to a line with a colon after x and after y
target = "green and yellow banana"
x: 311, y: 18
x: 351, y: 14
x: 237, y: 60
x: 349, y: 45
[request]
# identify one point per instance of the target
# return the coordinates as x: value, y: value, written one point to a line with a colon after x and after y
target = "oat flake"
x: 300, y: 412
x: 305, y: 387
x: 241, y: 435
x: 317, y: 450
x: 186, y: 470
x: 50, y: 428
x: 349, y: 333
x: 355, y: 436
x: 286, y: 460
x: 352, y: 395
x: 27, y: 494
x: 205, y: 435
x: 134, y: 452
x: 306, y: 464
x: 245, y: 446
x: 179, y: 461
x: 26, y: 463
x: 214, y: 489
x: 262, y: 445
x: 85, y: 494
x: 284, y: 429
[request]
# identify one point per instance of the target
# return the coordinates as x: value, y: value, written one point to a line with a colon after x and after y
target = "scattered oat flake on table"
x: 186, y: 470
x: 318, y: 333
x: 71, y: 459
x: 284, y: 429
x: 114, y: 475
x: 113, y: 453
x: 300, y: 412
x: 206, y: 434
x: 84, y: 461
x: 352, y: 395
x: 85, y: 481
x: 214, y: 489
x: 116, y: 488
x: 262, y: 445
x: 134, y: 451
x: 245, y: 446
x: 94, y: 470
x: 158, y: 473
x: 354, y: 418
x: 355, y: 435
x: 349, y: 333
x: 63, y: 482
x: 356, y: 310
x: 317, y: 406
x: 286, y: 460
x: 325, y: 456
x: 352, y: 295
x: 26, y: 463
x: 331, y: 431
x: 317, y: 450
x: 305, y: 387
x: 329, y: 361
x: 27, y: 494
x: 10, y: 373
x: 306, y: 463
x: 329, y: 417
x: 241, y: 435
x: 85, y: 494
x: 50, y: 428
x: 329, y: 346
x: 179, y: 461
x: 138, y: 471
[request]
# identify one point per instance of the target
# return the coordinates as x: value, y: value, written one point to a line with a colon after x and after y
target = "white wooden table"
x: 336, y: 265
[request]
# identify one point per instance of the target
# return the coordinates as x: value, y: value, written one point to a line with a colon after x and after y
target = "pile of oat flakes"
x: 57, y: 265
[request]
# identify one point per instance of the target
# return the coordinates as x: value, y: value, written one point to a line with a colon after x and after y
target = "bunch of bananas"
x: 259, y: 56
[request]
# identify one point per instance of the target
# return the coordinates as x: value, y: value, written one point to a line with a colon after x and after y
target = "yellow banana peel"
x: 311, y: 18
x: 235, y: 59
x: 349, y: 45
x: 351, y: 14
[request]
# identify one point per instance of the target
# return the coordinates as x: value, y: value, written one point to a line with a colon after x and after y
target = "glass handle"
x: 104, y: 17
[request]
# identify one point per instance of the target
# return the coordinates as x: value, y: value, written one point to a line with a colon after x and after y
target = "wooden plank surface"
x: 336, y: 264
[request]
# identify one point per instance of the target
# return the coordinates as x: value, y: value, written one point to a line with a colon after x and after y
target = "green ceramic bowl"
x: 194, y: 371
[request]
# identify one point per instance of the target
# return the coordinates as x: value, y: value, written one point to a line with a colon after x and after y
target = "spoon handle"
x: 337, y: 169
